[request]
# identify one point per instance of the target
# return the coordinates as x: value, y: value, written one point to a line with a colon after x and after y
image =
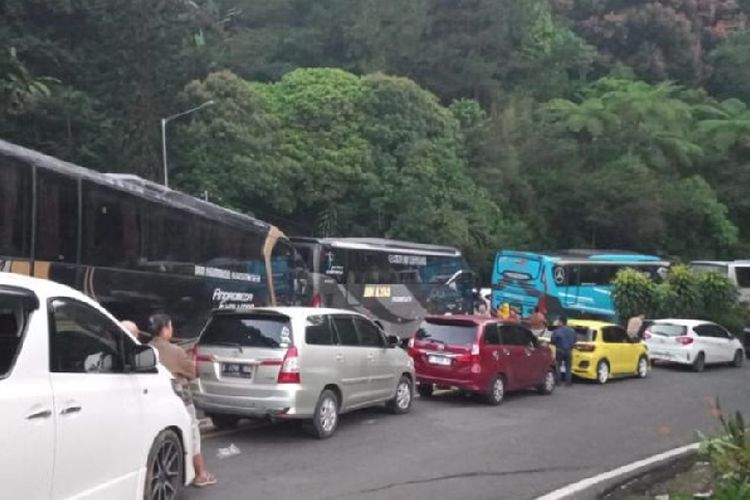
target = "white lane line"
x: 582, y: 485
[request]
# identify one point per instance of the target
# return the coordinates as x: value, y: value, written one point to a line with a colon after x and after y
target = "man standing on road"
x: 564, y: 338
x: 176, y: 360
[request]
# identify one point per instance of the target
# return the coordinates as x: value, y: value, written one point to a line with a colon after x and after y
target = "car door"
x: 707, y: 343
x: 27, y: 417
x: 491, y: 351
x: 616, y: 346
x: 382, y: 375
x: 99, y: 445
x: 725, y: 345
x: 536, y: 358
x: 514, y: 356
x: 353, y: 365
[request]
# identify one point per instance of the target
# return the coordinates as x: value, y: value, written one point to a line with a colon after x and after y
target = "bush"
x: 684, y: 294
x: 633, y: 293
x: 729, y: 455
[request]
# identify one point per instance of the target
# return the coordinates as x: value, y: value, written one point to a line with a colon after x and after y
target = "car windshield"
x: 252, y: 330
x: 447, y: 333
x: 667, y: 330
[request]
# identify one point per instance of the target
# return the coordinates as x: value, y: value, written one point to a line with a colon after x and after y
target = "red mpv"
x: 480, y: 355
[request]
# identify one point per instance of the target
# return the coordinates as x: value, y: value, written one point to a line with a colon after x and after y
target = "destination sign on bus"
x: 407, y: 260
x: 215, y: 272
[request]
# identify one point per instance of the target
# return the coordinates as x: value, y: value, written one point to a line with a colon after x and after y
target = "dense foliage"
x: 684, y: 294
x: 480, y: 123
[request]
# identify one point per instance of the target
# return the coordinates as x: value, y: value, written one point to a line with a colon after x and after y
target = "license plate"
x: 237, y: 370
x: 439, y: 360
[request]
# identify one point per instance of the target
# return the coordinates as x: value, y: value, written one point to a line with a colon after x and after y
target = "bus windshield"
x: 517, y: 268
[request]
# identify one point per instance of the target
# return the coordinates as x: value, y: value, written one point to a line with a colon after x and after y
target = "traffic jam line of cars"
x: 79, y: 393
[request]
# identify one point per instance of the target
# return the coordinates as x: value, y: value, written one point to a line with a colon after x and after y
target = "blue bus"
x: 575, y: 283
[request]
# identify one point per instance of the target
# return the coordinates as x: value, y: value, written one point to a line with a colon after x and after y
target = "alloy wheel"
x: 165, y: 472
x: 403, y: 395
x: 642, y: 367
x: 549, y: 381
x: 602, y: 372
x: 328, y: 415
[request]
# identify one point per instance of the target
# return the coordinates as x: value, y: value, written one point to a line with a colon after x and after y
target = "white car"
x: 87, y: 412
x: 692, y: 342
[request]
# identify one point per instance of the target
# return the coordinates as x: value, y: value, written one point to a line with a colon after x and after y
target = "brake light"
x: 316, y: 301
x: 289, y: 373
x: 198, y: 358
x: 585, y: 347
x: 647, y: 335
x: 411, y: 343
x: 684, y: 340
x: 475, y: 359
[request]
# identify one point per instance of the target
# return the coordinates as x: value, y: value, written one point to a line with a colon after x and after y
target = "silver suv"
x: 298, y: 363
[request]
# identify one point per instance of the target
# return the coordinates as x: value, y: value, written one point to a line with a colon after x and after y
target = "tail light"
x: 411, y: 343
x: 473, y: 358
x: 316, y: 301
x: 684, y: 340
x: 289, y: 373
x: 198, y: 358
x: 647, y: 335
x: 585, y: 347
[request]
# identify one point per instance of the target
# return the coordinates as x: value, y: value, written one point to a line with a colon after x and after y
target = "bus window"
x: 597, y: 275
x: 57, y: 218
x: 102, y: 227
x: 15, y: 209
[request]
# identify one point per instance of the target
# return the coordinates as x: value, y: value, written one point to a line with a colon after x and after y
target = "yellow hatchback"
x: 604, y: 350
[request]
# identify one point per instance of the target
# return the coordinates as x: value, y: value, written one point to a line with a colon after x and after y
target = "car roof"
x: 294, y: 312
x: 682, y: 322
x: 589, y: 323
x: 43, y: 288
x: 479, y: 320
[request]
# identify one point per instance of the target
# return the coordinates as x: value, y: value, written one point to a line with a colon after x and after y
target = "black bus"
x: 395, y: 282
x: 136, y: 246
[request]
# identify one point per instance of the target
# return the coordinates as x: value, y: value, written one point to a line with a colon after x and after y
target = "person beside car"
x: 564, y: 338
x: 537, y: 322
x: 177, y: 361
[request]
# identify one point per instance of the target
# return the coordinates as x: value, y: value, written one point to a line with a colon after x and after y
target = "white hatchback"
x: 87, y: 412
x: 692, y: 342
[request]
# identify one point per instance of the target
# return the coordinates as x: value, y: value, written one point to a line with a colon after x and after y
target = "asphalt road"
x: 450, y: 447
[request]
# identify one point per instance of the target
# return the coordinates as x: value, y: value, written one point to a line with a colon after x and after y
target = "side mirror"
x: 392, y: 340
x: 144, y: 359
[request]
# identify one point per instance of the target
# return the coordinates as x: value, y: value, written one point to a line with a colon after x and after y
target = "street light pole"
x: 164, y: 122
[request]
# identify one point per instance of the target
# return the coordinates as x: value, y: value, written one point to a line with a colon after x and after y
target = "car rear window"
x: 584, y: 334
x: 248, y: 330
x: 667, y: 330
x: 447, y: 333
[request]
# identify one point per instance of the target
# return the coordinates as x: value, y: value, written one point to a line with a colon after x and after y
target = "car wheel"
x: 224, y: 421
x: 602, y: 372
x: 496, y: 392
x: 401, y: 402
x: 642, y: 369
x: 738, y: 359
x: 326, y: 417
x: 165, y: 468
x: 700, y: 363
x: 425, y: 390
x: 548, y: 385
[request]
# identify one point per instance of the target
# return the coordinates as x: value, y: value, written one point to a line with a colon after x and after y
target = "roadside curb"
x: 594, y: 487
